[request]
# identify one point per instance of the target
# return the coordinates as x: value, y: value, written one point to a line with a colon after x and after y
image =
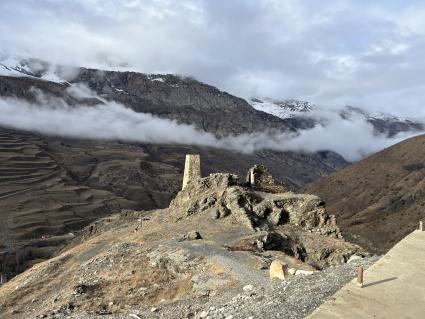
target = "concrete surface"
x: 394, y: 287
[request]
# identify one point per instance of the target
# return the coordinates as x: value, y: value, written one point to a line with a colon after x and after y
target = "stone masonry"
x: 192, y: 169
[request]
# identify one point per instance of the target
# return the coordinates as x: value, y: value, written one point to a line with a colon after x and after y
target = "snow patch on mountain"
x: 283, y: 109
x: 14, y: 65
x: 295, y: 108
x: 348, y: 111
x: 159, y: 79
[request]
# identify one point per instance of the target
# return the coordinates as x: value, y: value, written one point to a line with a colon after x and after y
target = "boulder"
x: 192, y: 235
x: 278, y: 270
x: 292, y: 271
x: 303, y: 272
x: 354, y: 258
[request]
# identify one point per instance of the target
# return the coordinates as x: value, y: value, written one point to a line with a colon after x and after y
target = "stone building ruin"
x: 260, y: 178
x: 192, y: 169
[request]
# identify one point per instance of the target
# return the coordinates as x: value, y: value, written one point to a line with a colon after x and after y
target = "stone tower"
x: 192, y: 169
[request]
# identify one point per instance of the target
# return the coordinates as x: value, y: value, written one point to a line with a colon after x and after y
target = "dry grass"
x: 112, y: 267
x: 379, y: 200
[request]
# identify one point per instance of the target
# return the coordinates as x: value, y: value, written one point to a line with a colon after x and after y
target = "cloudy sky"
x: 335, y: 52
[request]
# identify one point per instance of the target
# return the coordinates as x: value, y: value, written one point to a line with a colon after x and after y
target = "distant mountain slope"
x: 186, y: 100
x: 294, y: 109
x: 283, y: 109
x: 378, y: 200
x: 12, y: 65
x: 168, y: 96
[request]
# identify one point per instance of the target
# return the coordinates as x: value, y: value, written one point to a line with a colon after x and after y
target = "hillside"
x: 217, y: 238
x: 380, y: 199
x: 52, y: 186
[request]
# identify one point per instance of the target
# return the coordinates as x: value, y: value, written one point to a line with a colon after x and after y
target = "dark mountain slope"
x: 167, y: 96
x: 185, y: 100
x: 378, y: 200
x: 30, y: 89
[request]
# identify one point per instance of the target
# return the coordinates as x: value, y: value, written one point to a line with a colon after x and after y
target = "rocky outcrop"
x: 261, y: 179
x: 257, y: 210
x: 296, y: 224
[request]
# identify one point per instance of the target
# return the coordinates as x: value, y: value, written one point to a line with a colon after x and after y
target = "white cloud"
x: 353, y: 138
x: 328, y: 52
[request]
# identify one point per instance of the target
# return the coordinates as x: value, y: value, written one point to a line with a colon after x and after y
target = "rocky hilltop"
x: 218, y: 237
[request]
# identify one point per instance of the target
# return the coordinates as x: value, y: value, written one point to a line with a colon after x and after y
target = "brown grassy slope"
x: 380, y: 199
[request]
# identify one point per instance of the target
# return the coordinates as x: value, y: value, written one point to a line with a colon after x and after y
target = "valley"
x: 84, y: 195
x: 51, y: 187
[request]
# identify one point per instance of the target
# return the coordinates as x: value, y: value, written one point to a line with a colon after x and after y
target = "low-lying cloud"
x: 353, y: 138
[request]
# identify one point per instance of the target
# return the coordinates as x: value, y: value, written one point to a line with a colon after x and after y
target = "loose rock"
x: 277, y: 270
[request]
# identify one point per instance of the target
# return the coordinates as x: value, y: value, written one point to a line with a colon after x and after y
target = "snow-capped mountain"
x: 283, y: 109
x: 300, y: 114
x: 15, y: 65
x: 383, y: 123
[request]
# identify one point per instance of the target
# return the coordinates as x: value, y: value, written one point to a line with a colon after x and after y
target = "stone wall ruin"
x: 192, y: 169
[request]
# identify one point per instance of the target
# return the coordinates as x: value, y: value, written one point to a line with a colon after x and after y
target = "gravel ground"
x: 291, y: 299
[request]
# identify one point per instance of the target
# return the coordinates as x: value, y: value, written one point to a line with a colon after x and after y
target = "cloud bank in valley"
x: 353, y: 138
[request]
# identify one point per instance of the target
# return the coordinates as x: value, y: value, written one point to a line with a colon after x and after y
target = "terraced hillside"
x: 39, y: 201
x: 27, y: 168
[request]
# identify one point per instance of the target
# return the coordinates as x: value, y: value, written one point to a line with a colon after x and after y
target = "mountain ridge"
x: 387, y: 124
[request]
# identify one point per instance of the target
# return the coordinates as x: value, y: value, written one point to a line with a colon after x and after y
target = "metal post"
x: 360, y: 276
x: 421, y: 226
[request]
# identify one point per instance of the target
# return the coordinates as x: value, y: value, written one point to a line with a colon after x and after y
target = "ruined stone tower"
x: 192, y: 169
x: 260, y: 178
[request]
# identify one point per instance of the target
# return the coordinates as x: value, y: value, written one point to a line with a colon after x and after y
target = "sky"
x: 333, y: 53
